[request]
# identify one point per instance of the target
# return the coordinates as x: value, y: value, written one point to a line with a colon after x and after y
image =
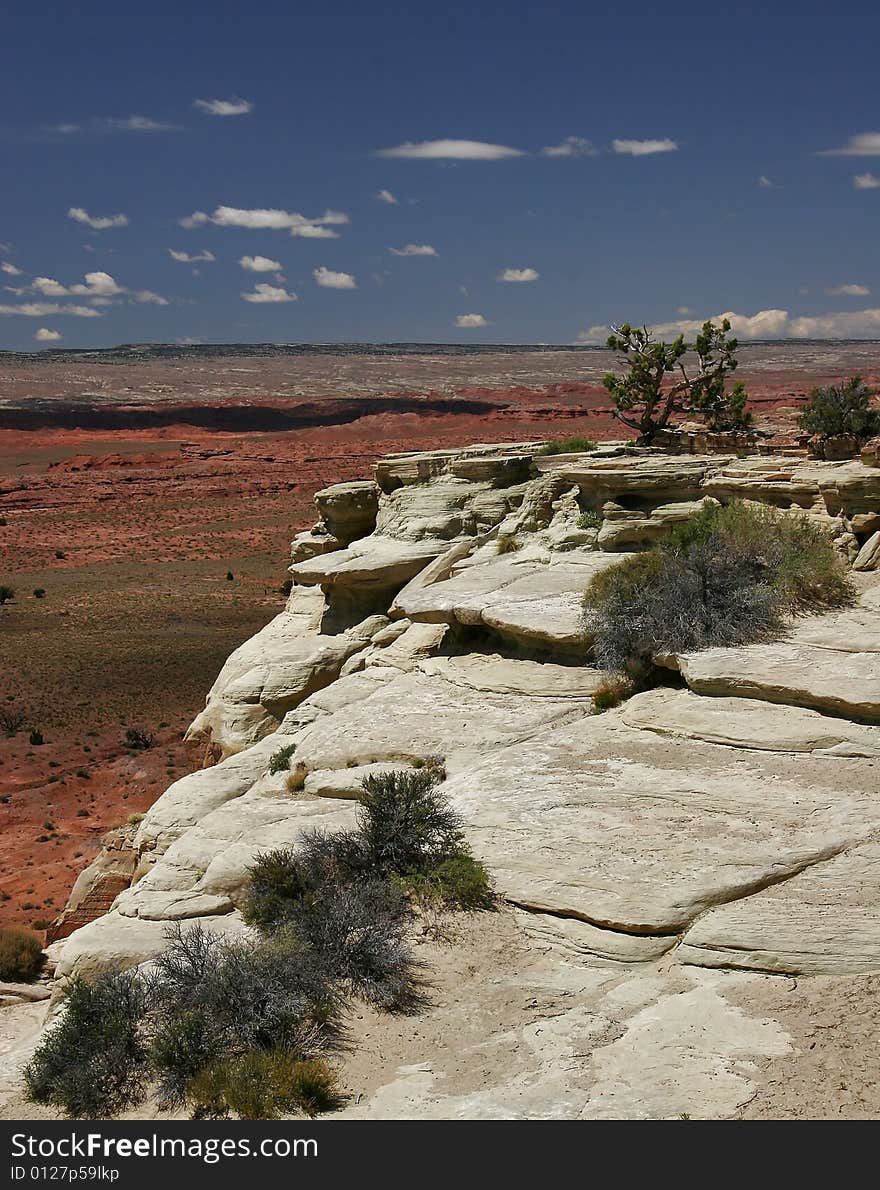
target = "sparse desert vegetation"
x: 728, y: 576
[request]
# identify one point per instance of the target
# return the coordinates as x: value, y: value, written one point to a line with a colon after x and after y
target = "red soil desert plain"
x: 134, y: 483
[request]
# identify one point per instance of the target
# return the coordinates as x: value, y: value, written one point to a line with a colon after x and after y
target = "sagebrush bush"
x: 728, y: 576
x: 351, y: 923
x: 263, y: 1085
x: 590, y: 520
x: 564, y: 446
x: 92, y: 1063
x: 139, y: 738
x: 405, y: 823
x: 214, y: 998
x: 21, y: 954
x: 837, y: 409
x: 278, y: 761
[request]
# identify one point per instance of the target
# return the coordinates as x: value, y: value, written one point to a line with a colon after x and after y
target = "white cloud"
x: 260, y: 264
x: 572, y: 146
x: 44, y: 335
x: 147, y: 298
x: 387, y: 197
x: 186, y: 258
x: 864, y: 144
x: 414, y: 250
x: 769, y: 324
x: 42, y: 309
x: 270, y: 219
x: 100, y: 288
x: 113, y: 124
x: 518, y: 275
x: 764, y: 183
x: 642, y: 148
x: 866, y: 182
x: 264, y: 292
x: 848, y: 291
x: 97, y: 222
x: 10, y: 269
x: 470, y: 320
x: 451, y: 150
x: 327, y: 279
x: 134, y: 124
x: 224, y: 107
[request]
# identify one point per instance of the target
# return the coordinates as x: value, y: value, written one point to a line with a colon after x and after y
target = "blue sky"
x: 652, y: 163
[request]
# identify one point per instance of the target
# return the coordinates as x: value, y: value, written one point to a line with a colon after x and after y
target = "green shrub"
x: 565, y: 446
x: 92, y: 1063
x: 12, y: 721
x: 6, y: 593
x: 138, y: 738
x: 278, y: 762
x: 590, y: 520
x: 405, y: 824
x: 286, y: 587
x: 352, y: 924
x: 728, y: 576
x: 21, y: 954
x: 263, y: 1085
x: 211, y: 998
x: 35, y: 739
x: 39, y: 592
x: 837, y: 409
x: 459, y: 882
x: 230, y: 577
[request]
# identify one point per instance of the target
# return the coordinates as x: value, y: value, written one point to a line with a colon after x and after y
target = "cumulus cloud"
x: 327, y: 279
x: 470, y: 320
x: 100, y: 288
x: 518, y: 275
x: 270, y: 219
x: 224, y: 107
x: 864, y: 144
x: 572, y: 146
x: 387, y: 197
x: 9, y: 269
x: 849, y: 291
x: 451, y: 150
x: 42, y: 309
x: 186, y: 258
x: 866, y: 182
x: 414, y: 250
x: 263, y: 292
x: 97, y: 222
x: 44, y: 335
x: 260, y: 264
x: 769, y: 324
x: 642, y: 148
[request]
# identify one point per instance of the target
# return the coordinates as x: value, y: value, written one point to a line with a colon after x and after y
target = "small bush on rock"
x: 841, y: 409
x: 21, y: 954
x: 92, y: 1063
x: 460, y: 881
x: 565, y: 446
x: 213, y: 998
x: 728, y: 576
x: 278, y: 762
x: 263, y: 1085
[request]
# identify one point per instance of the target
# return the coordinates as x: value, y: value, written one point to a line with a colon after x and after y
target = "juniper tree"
x: 657, y: 384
